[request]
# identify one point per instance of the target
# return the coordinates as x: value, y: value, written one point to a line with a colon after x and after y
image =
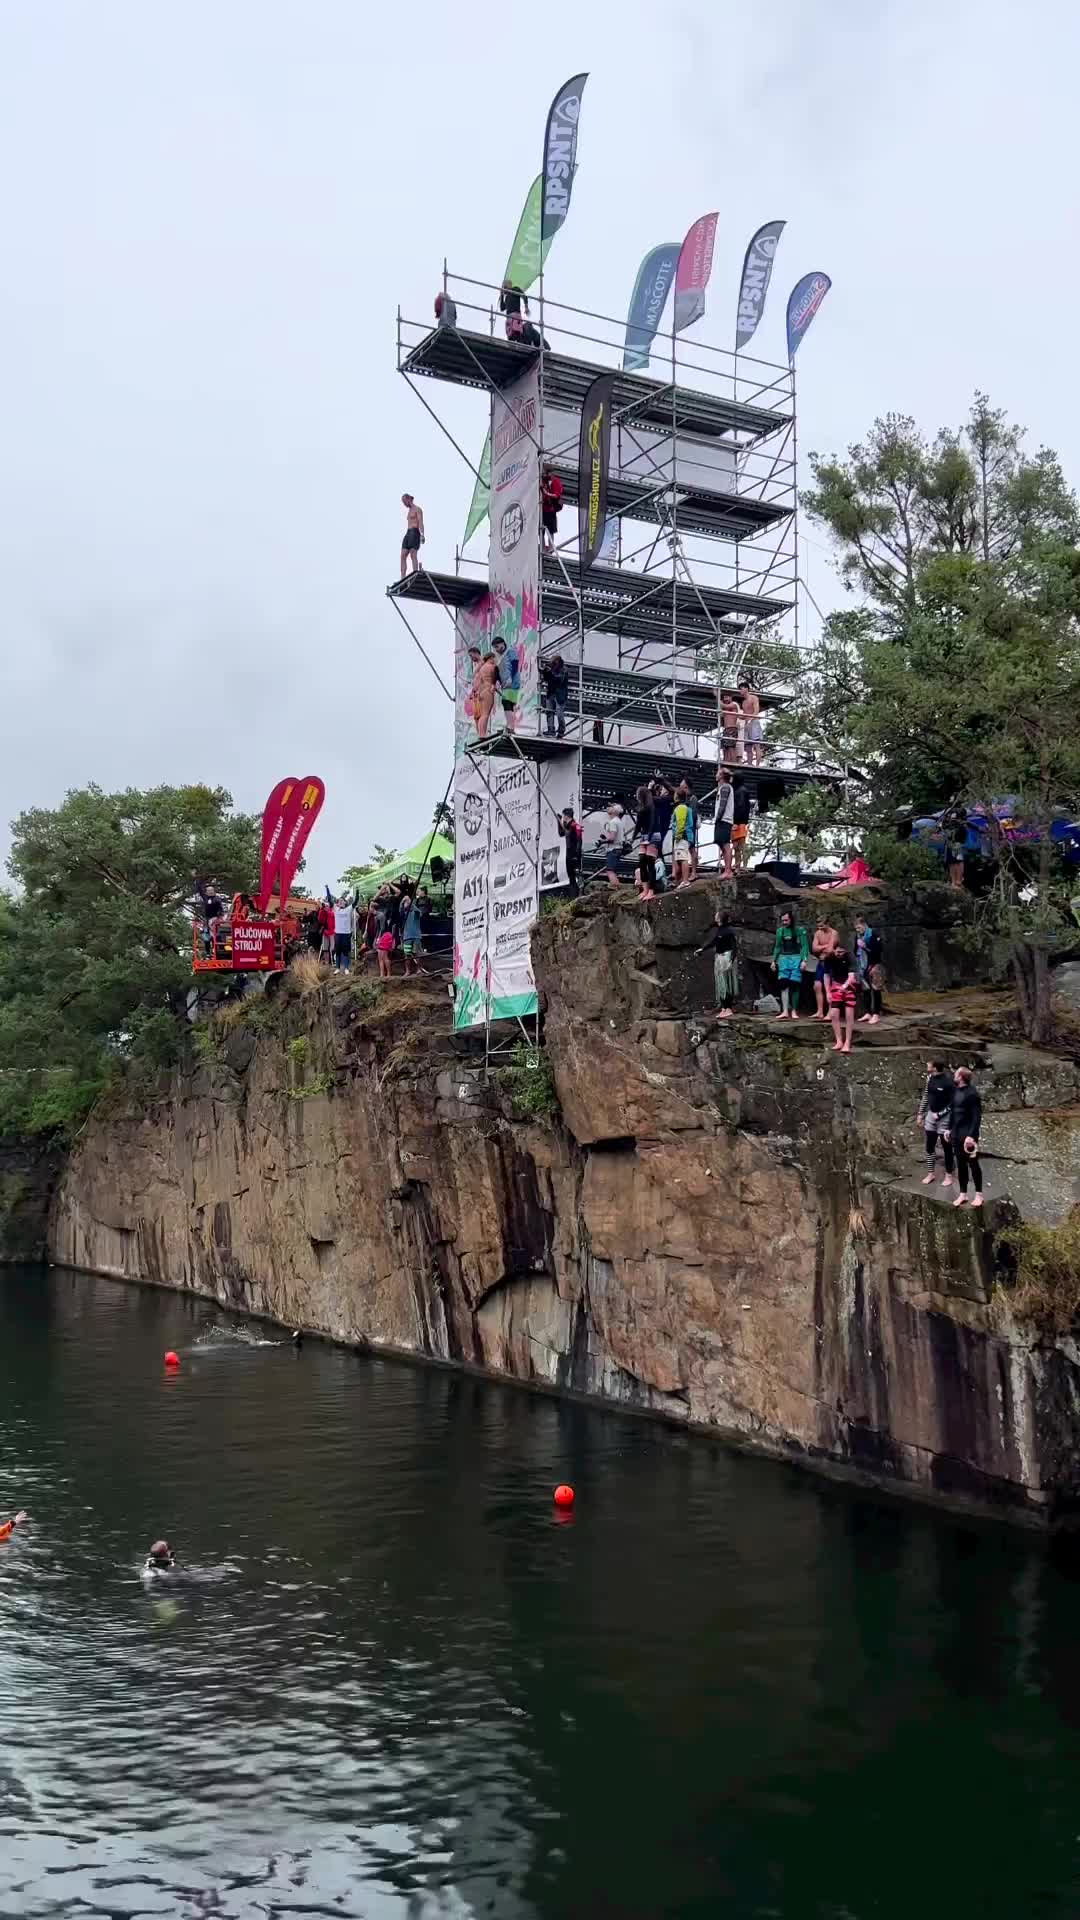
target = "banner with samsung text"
x: 594, y: 459
x: 508, y: 850
x: 804, y: 300
x: 754, y: 285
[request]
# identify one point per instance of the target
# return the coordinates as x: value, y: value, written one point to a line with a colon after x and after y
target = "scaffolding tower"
x: 697, y: 590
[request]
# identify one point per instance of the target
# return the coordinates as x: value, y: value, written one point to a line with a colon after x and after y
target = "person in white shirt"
x: 725, y: 817
x: 344, y: 928
x: 611, y: 839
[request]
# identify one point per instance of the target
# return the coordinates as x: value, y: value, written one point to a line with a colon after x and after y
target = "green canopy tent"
x: 432, y: 846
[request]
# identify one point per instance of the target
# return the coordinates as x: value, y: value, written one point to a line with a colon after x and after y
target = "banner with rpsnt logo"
x: 513, y: 552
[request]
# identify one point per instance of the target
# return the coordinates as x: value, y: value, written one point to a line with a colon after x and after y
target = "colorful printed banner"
x: 693, y: 270
x: 560, y: 154
x: 803, y: 302
x: 472, y: 827
x: 754, y: 285
x: 647, y: 303
x: 514, y: 547
x: 594, y: 459
x: 507, y: 851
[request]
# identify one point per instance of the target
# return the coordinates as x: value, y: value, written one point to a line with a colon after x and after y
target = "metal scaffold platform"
x: 695, y: 593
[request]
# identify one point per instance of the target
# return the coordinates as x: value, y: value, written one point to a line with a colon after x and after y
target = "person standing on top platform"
x: 445, y: 310
x: 414, y: 535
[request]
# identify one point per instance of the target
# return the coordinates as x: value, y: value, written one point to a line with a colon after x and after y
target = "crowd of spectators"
x: 843, y: 974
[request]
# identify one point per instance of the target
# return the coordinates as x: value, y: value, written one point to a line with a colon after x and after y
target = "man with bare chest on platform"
x: 752, y: 740
x: 414, y: 535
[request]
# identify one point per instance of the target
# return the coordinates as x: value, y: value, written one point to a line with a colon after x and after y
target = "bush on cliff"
x: 95, y: 944
x: 1046, y: 1265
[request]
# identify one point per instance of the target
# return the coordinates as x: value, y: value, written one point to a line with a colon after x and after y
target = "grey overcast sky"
x: 211, y: 210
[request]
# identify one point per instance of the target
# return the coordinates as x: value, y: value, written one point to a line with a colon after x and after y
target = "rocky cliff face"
x: 719, y: 1224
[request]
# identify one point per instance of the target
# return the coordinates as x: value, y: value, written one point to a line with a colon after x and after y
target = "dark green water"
x: 400, y: 1687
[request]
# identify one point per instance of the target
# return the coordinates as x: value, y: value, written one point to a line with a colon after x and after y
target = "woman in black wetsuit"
x: 964, y: 1123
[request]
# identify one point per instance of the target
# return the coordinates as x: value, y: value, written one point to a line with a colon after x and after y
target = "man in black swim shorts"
x: 414, y: 535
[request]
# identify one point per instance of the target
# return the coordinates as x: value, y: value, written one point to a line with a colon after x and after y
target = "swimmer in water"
x: 298, y: 1338
x: 160, y: 1558
x: 7, y: 1527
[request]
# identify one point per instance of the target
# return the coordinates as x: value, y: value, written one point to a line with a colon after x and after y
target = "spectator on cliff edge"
x: 965, y: 1120
x: 868, y: 966
x: 840, y: 982
x: 344, y: 928
x: 934, y: 1116
x: 611, y: 840
x: 570, y: 831
x: 725, y: 963
x: 825, y: 939
x: 790, y: 952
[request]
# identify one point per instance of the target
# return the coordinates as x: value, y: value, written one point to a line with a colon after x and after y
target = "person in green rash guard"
x: 790, y: 951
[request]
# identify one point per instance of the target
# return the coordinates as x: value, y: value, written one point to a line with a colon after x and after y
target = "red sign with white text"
x: 254, y: 945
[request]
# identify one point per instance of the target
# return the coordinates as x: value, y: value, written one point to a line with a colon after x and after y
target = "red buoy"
x: 564, y: 1496
x: 172, y: 1359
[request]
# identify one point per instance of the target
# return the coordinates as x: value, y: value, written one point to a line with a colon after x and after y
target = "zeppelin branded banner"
x: 273, y: 825
x: 803, y: 302
x: 303, y: 812
x: 647, y: 303
x: 560, y: 154
x: 254, y: 945
x: 693, y: 270
x: 594, y: 458
x: 514, y: 549
x: 507, y: 851
x: 288, y: 817
x: 754, y: 285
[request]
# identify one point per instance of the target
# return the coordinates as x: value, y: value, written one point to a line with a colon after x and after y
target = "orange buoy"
x: 172, y: 1359
x: 564, y: 1496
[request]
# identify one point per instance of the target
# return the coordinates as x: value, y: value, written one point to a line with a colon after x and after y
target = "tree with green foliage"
x: 378, y: 857
x: 95, y: 944
x: 958, y: 678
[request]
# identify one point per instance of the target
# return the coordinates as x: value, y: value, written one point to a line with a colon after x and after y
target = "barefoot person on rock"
x: 965, y: 1120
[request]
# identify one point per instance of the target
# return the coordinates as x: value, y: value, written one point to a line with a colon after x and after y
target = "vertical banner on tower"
x: 513, y: 886
x: 559, y: 787
x: 647, y: 303
x: 514, y: 549
x: 560, y: 154
x: 471, y: 834
x: 804, y: 300
x: 473, y: 704
x: 594, y: 458
x: 693, y: 271
x: 754, y: 285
